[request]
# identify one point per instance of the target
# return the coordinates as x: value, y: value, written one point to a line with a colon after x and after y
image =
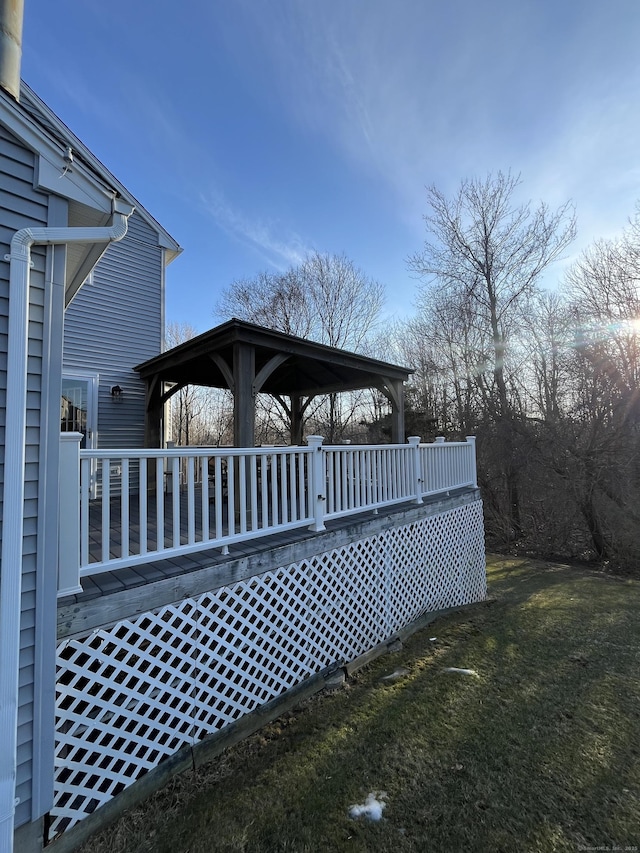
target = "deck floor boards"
x: 108, y: 582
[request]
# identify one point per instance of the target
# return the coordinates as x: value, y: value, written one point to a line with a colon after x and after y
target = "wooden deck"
x: 133, y: 509
x: 106, y: 583
x: 230, y: 496
x: 116, y: 594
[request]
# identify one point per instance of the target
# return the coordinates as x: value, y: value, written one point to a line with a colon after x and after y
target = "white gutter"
x: 13, y: 488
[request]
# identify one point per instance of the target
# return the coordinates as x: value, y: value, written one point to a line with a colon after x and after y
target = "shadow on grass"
x: 539, y: 752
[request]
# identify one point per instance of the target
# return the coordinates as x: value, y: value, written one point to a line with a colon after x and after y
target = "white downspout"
x: 13, y: 488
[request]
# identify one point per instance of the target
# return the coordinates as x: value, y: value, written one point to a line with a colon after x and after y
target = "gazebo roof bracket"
x: 390, y: 390
x: 302, y: 408
x: 266, y: 371
x: 224, y: 369
x: 173, y: 390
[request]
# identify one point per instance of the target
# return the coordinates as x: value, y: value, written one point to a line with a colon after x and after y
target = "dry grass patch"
x: 539, y: 752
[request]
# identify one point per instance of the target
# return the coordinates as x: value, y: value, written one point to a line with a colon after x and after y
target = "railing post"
x: 439, y: 439
x: 471, y: 439
x: 69, y: 514
x: 414, y: 441
x: 317, y: 484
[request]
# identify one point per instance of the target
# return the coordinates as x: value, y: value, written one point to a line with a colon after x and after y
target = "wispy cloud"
x: 593, y: 160
x: 273, y: 242
x: 388, y: 97
x: 381, y: 89
x: 420, y: 95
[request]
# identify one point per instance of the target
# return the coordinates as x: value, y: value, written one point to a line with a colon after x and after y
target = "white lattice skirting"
x: 134, y: 693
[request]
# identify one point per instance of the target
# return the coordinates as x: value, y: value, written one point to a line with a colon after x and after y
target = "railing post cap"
x: 439, y: 439
x: 471, y: 439
x: 414, y: 439
x: 71, y: 436
x: 314, y: 440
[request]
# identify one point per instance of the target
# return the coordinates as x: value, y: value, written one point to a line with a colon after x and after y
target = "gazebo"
x: 249, y: 359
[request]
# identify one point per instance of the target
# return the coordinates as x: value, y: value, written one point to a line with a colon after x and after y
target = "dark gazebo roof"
x: 308, y: 369
x: 249, y: 359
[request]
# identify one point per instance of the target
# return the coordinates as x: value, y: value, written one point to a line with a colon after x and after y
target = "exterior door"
x: 78, y: 412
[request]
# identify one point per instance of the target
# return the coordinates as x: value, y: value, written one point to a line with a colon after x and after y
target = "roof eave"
x: 52, y: 172
x: 173, y: 249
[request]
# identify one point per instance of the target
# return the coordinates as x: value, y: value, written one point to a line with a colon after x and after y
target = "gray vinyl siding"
x: 114, y: 323
x: 22, y: 206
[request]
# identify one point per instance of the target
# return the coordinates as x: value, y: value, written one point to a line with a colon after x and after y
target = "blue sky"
x: 257, y: 130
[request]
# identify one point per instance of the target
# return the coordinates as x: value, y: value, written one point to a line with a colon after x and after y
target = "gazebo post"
x: 244, y: 408
x: 296, y: 419
x: 397, y: 412
x: 153, y: 423
x: 153, y: 428
x: 244, y: 403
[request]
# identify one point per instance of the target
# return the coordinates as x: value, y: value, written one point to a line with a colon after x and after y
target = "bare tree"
x: 327, y: 299
x: 185, y: 403
x: 548, y: 336
x: 274, y: 300
x: 603, y: 288
x: 488, y: 254
x: 345, y: 303
x: 481, y: 262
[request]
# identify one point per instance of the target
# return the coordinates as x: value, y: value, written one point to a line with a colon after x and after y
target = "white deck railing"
x: 156, y: 504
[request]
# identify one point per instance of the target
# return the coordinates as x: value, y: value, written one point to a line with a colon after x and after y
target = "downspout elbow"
x: 23, y: 240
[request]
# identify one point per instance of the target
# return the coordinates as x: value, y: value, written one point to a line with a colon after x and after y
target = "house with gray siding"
x: 80, y: 305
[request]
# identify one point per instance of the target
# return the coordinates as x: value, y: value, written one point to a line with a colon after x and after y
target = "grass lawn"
x: 538, y: 751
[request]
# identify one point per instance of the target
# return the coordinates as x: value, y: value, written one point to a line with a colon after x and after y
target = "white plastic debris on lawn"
x: 459, y: 671
x: 397, y: 674
x: 372, y: 807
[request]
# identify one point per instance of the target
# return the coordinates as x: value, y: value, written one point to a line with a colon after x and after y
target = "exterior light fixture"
x: 116, y: 392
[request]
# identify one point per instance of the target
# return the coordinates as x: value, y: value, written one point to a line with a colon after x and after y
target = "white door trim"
x: 91, y: 427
